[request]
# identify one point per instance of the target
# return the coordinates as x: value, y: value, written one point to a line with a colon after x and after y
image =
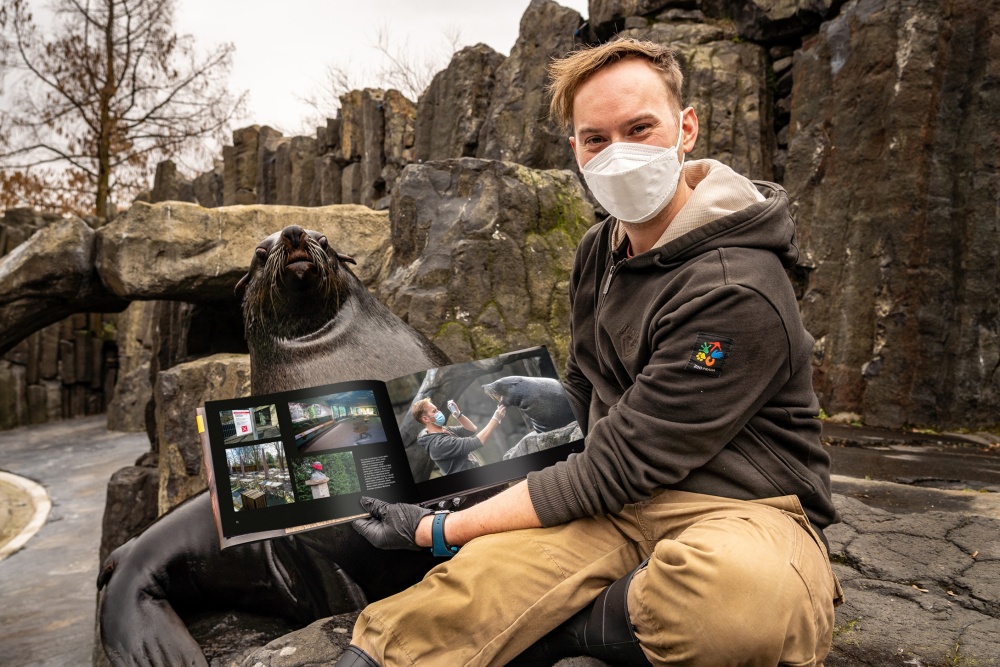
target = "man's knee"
x: 728, y: 595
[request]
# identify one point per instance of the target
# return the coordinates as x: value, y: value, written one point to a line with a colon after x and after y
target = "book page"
x: 302, y: 459
x: 468, y: 452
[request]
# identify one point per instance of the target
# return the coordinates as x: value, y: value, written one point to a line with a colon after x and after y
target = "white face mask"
x: 634, y: 182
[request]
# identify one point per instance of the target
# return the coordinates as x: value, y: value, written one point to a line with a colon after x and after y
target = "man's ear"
x: 690, y: 127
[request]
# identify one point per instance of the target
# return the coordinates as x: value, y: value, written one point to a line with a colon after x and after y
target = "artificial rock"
x: 47, y: 278
x: 294, y: 171
x: 516, y: 129
x: 186, y: 252
x: 892, y: 173
x: 266, y: 184
x: 725, y: 80
x: 178, y: 392
x: 481, y: 255
x: 451, y: 112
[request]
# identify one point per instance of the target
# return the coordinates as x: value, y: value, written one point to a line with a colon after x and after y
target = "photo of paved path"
x: 343, y: 434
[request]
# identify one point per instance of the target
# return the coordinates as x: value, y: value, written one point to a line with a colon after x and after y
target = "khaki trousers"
x: 728, y: 582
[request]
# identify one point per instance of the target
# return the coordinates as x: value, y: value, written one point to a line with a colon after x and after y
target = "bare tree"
x: 401, y: 68
x: 109, y: 90
x: 405, y: 70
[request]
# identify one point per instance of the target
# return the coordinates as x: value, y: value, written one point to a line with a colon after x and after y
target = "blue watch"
x: 439, y: 547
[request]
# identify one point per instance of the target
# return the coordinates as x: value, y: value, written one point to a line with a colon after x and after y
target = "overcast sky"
x: 284, y: 48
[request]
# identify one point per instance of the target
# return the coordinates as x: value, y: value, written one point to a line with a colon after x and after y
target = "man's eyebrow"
x: 647, y: 116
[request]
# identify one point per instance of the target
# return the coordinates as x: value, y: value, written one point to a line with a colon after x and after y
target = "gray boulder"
x: 398, y: 140
x: 131, y: 504
x: 537, y: 442
x: 295, y: 171
x: 18, y: 224
x: 266, y: 184
x: 178, y: 392
x: 47, y: 278
x: 608, y: 17
x: 208, y: 187
x: 134, y: 336
x: 240, y: 167
x: 169, y: 185
x: 482, y: 252
x: 777, y: 20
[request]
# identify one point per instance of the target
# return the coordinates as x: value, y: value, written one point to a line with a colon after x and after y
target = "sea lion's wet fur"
x: 269, y: 299
x: 308, y: 323
x: 542, y: 400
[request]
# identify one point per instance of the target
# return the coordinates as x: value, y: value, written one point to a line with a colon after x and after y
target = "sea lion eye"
x: 261, y: 253
x: 323, y: 242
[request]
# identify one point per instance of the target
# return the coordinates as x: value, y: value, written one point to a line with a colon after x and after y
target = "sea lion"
x: 308, y: 321
x: 543, y: 400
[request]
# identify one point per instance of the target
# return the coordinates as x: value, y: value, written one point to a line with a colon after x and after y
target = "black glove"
x: 390, y: 526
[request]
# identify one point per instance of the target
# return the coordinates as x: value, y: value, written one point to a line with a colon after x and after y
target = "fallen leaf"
x: 922, y: 590
x: 951, y: 592
x: 975, y: 553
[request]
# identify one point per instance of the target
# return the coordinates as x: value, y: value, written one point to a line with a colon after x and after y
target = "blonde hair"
x: 418, y: 408
x: 568, y: 74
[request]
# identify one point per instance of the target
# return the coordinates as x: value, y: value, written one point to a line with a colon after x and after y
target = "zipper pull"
x: 607, y: 283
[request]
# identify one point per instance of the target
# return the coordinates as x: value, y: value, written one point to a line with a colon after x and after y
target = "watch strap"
x: 439, y: 547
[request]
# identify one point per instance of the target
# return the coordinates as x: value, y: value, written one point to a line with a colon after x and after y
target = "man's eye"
x: 593, y: 141
x: 639, y: 129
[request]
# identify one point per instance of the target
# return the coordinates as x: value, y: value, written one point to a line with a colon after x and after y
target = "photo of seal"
x: 308, y: 321
x: 542, y: 400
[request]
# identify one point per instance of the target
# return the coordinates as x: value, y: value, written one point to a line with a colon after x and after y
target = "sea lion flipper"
x: 138, y: 624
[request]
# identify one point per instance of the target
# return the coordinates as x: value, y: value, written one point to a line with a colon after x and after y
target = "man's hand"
x: 500, y: 412
x: 391, y: 526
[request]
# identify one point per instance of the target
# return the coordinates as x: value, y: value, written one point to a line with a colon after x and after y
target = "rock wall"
x: 893, y: 171
x: 67, y: 369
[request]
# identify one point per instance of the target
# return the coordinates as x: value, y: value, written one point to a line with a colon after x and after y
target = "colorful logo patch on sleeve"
x: 709, y: 354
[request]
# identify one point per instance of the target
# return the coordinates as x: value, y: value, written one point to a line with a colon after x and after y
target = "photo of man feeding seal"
x: 690, y: 529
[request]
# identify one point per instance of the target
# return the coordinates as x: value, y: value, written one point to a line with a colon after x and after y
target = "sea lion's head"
x: 501, y: 390
x: 295, y: 285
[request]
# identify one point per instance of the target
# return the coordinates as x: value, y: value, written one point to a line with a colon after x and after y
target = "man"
x: 689, y: 531
x: 451, y: 448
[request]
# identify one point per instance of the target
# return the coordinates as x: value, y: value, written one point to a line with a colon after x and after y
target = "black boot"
x: 355, y: 657
x: 601, y: 630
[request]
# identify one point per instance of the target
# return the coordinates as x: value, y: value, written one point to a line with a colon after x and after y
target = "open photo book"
x: 282, y: 463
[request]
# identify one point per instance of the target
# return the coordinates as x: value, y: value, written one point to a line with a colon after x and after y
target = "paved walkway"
x: 48, y: 587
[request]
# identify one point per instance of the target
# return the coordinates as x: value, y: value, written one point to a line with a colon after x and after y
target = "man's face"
x: 429, y: 413
x: 627, y: 101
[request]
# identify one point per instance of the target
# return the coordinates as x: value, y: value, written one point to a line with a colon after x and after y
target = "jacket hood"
x: 765, y: 225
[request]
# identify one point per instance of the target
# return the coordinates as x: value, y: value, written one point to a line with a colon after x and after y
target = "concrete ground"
x: 48, y: 586
x: 922, y: 491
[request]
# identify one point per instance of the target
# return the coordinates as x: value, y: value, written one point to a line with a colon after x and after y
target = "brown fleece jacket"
x: 689, y: 369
